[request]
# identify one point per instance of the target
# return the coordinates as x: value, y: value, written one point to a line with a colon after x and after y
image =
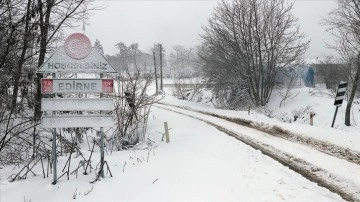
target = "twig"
x: 147, y: 158
x: 25, y: 200
x: 124, y: 166
x: 88, y: 161
x: 43, y: 169
x: 99, y: 173
x: 75, y: 194
x: 86, y: 193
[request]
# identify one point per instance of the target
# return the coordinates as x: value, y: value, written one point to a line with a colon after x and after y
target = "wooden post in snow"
x: 167, y: 137
x: 312, y: 114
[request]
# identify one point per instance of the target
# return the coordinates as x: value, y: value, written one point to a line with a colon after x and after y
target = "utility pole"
x: 101, y: 141
x: 156, y: 81
x: 161, y: 75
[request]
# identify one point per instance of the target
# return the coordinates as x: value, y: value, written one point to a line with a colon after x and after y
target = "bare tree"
x: 188, y: 88
x: 251, y: 40
x: 290, y: 77
x: 132, y: 108
x: 343, y: 24
x: 132, y: 99
x: 18, y: 25
x: 183, y: 62
x: 333, y: 71
x: 99, y: 47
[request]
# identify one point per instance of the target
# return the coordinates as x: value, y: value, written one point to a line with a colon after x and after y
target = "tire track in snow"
x: 309, y: 171
x: 320, y: 145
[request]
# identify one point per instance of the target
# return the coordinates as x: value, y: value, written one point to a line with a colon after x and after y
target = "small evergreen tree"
x: 99, y: 47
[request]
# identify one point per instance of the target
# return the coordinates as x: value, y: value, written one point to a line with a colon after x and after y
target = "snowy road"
x: 336, y: 174
x: 199, y: 164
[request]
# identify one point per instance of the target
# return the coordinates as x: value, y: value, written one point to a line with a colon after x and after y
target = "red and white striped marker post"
x: 340, y: 96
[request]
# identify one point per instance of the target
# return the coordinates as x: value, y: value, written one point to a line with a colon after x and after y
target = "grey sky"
x: 179, y: 23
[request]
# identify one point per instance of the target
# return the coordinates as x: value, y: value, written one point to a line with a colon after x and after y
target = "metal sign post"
x: 340, y: 96
x: 54, y: 162
x: 333, y: 122
x: 54, y: 156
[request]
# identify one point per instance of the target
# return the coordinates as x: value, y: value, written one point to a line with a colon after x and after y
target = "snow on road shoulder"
x: 199, y: 164
x: 347, y: 139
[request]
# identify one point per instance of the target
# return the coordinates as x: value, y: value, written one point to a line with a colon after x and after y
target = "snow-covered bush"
x: 132, y: 107
x: 301, y: 115
x: 188, y: 89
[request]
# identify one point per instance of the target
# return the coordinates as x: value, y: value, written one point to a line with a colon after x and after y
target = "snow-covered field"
x: 203, y: 164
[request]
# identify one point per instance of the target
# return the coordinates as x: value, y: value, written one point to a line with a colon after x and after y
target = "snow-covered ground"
x: 199, y: 164
x: 203, y: 164
x: 305, y: 156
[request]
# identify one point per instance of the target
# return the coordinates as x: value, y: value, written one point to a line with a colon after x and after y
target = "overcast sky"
x: 179, y: 23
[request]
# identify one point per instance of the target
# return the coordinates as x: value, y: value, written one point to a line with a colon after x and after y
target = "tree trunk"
x: 353, y: 92
x: 18, y: 70
x: 44, y: 30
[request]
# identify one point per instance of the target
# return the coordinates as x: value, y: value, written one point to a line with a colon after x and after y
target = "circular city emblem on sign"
x: 77, y: 46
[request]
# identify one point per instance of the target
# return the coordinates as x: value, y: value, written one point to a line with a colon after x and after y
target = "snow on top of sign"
x: 61, y: 62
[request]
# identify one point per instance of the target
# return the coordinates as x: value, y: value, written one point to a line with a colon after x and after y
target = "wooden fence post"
x: 166, y: 132
x: 312, y: 114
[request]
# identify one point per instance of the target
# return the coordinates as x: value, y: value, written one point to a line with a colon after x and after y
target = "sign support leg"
x: 54, y: 156
x: 101, y: 143
x: 102, y: 152
x: 336, y: 110
x: 53, y: 75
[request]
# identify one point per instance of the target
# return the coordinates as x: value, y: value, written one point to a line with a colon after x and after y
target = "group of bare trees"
x: 343, y: 23
x: 184, y: 62
x: 29, y: 29
x: 245, y: 45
